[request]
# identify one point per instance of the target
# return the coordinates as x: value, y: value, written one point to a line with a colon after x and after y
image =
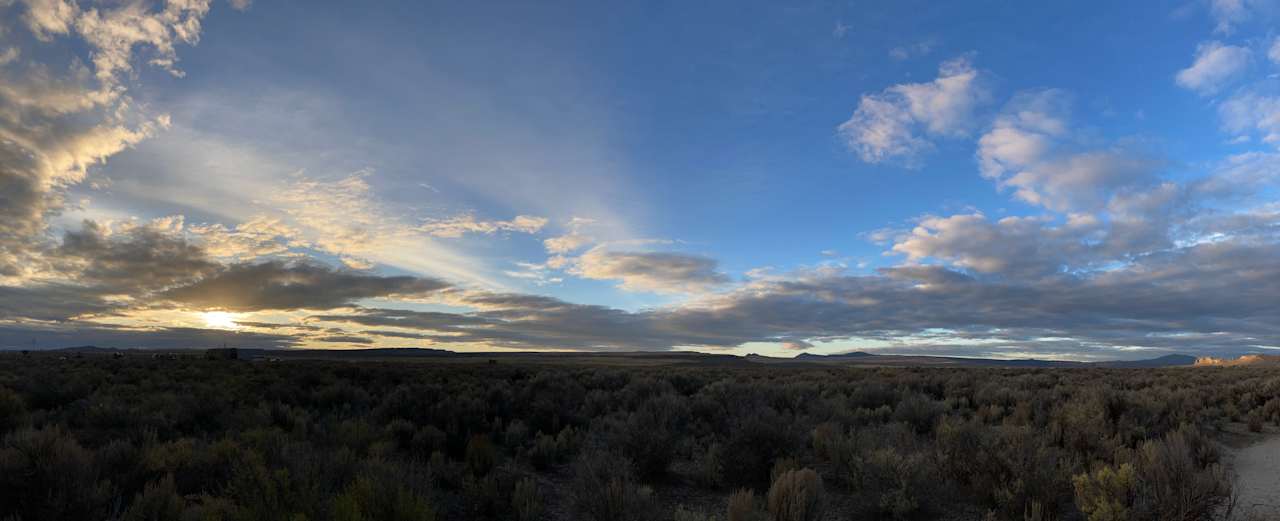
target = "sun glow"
x: 220, y: 320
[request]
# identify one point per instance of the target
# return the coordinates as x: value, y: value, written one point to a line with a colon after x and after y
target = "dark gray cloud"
x: 49, y: 302
x: 1211, y: 297
x: 142, y: 259
x: 97, y: 266
x: 344, y: 339
x: 294, y: 285
x: 76, y: 333
x: 662, y: 272
x: 276, y: 325
x: 59, y: 119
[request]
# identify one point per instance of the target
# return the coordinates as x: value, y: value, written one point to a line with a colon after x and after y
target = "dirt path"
x: 1257, y: 469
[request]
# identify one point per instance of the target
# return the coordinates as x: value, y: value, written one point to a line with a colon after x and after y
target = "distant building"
x: 222, y: 354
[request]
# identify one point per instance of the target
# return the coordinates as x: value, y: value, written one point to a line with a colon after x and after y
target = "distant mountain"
x: 1163, y: 361
x: 838, y: 356
x: 347, y: 354
x: 855, y: 358
x: 870, y: 359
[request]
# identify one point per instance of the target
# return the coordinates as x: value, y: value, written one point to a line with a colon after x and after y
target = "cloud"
x: 1273, y: 52
x: 1249, y: 113
x: 915, y: 50
x: 258, y: 237
x: 132, y: 260
x: 368, y: 230
x: 1227, y: 14
x: 296, y: 285
x: 891, y: 125
x: 49, y: 302
x: 1207, y: 297
x: 344, y: 339
x: 1023, y: 247
x: 9, y: 55
x: 539, y: 274
x: 49, y: 18
x: 76, y: 334
x: 1031, y: 149
x: 457, y: 226
x: 659, y: 272
x: 1215, y: 65
x: 841, y: 29
x: 566, y: 243
x: 797, y: 345
x: 55, y: 126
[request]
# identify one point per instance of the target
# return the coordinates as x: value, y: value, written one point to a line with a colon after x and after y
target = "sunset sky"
x: 1089, y: 180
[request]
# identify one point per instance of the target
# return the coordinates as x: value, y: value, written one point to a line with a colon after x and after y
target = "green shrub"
x: 1106, y: 494
x: 782, y: 466
x: 46, y: 474
x: 751, y: 447
x: 796, y: 495
x: 158, y: 501
x: 367, y: 499
x: 544, y: 452
x: 682, y: 514
x: 1179, y: 478
x: 709, y: 470
x: 648, y: 436
x: 604, y: 489
x: 742, y: 506
x: 12, y: 410
x: 1176, y: 477
x: 1255, y: 420
x: 481, y: 456
x: 526, y: 500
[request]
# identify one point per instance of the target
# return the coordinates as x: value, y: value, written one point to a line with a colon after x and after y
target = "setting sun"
x: 219, y: 320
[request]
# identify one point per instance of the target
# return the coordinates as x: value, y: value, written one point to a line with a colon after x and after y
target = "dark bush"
x: 135, y: 438
x: 605, y: 489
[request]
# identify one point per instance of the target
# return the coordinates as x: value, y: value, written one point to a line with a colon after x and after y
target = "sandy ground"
x: 1257, y: 469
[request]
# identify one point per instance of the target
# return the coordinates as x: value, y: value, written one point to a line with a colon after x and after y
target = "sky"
x: 1085, y: 181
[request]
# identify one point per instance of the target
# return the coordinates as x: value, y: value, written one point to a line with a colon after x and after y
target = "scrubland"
x: 190, y: 439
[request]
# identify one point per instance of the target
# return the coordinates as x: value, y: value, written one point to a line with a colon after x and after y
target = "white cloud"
x: 1248, y: 112
x: 1031, y: 150
x: 889, y: 125
x: 915, y: 50
x: 49, y: 18
x: 367, y: 230
x: 1027, y: 247
x: 840, y: 30
x: 1215, y: 64
x: 566, y: 243
x: 1273, y: 53
x: 457, y: 226
x: 1229, y: 13
x: 538, y: 274
x: 258, y: 237
x: 9, y: 55
x: 55, y: 125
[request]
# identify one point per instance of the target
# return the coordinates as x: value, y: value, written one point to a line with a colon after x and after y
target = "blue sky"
x: 974, y: 178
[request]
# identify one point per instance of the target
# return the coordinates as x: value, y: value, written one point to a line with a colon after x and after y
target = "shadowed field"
x: 96, y: 437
